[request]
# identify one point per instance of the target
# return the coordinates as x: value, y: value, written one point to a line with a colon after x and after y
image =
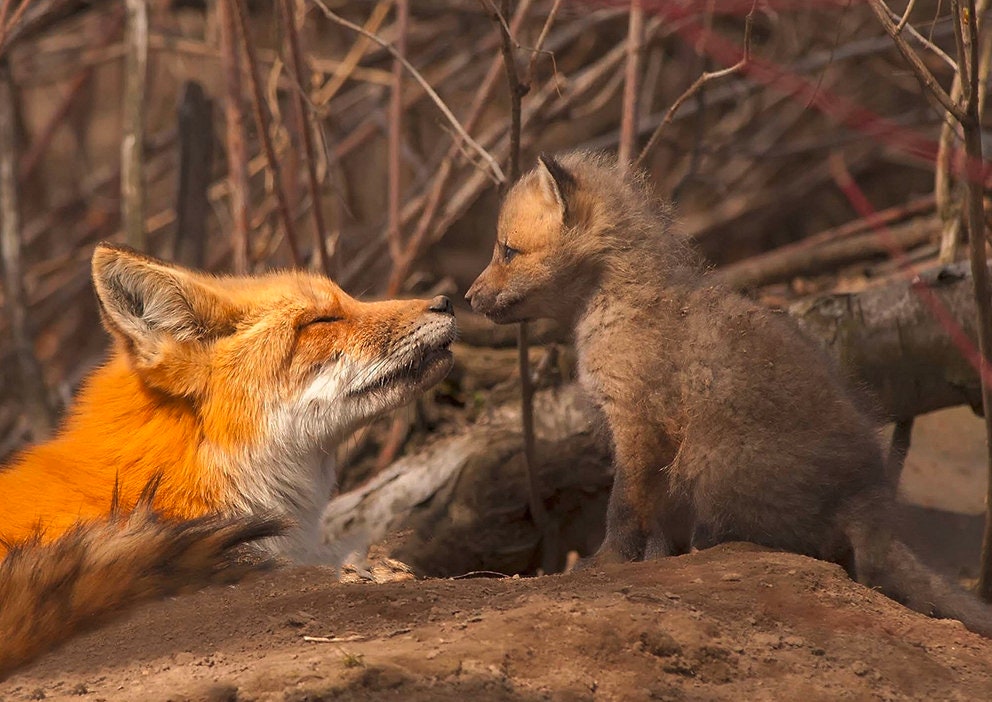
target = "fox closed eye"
x: 326, y: 319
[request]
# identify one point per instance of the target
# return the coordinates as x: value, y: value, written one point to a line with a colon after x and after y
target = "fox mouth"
x: 428, y: 367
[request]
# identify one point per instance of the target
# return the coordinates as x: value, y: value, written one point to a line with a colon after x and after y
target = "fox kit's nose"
x: 442, y: 305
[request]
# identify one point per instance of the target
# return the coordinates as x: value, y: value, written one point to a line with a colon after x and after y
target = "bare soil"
x: 730, y: 623
x: 735, y: 622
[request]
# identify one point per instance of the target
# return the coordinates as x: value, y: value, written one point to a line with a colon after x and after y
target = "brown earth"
x: 731, y: 623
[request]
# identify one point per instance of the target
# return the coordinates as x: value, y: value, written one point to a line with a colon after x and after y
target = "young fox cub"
x: 725, y: 420
x: 222, y: 396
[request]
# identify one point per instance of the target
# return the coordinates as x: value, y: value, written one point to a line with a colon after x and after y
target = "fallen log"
x: 460, y: 504
x: 897, y: 339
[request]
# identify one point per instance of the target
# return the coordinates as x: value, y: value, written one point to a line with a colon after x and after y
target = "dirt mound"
x: 734, y: 622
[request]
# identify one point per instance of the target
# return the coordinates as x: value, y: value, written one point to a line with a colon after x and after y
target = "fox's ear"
x: 149, y: 303
x: 556, y: 182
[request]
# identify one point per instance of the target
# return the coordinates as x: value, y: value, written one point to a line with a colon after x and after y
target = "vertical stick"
x: 237, y: 147
x: 132, y: 171
x: 34, y: 394
x: 535, y: 503
x: 631, y: 87
x: 966, y: 36
x: 396, y: 134
x: 306, y: 138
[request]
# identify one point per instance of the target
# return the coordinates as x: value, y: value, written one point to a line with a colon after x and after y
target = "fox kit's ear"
x: 556, y: 182
x: 147, y: 302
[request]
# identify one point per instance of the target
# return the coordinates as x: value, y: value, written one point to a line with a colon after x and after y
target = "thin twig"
x: 12, y: 22
x: 132, y: 143
x: 702, y: 80
x: 968, y: 65
x: 349, y: 63
x: 925, y: 42
x: 395, y: 134
x: 262, y: 121
x: 4, y: 11
x: 542, y: 37
x: 930, y: 85
x: 306, y: 137
x: 631, y: 87
x: 237, y: 147
x: 497, y: 173
x: 538, y: 513
x: 905, y: 16
x: 516, y: 91
x: 948, y: 201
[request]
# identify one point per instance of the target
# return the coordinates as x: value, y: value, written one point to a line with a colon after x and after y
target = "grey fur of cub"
x: 727, y: 423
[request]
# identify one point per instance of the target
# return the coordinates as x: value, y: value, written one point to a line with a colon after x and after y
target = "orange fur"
x: 213, y: 421
x: 192, y: 387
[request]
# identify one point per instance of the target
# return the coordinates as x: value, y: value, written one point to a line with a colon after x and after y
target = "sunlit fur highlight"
x: 234, y: 389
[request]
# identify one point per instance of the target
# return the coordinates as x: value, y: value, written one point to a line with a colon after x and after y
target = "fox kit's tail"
x: 884, y: 562
x: 99, y: 570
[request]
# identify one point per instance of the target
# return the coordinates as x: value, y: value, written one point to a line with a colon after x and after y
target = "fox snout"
x: 484, y: 296
x: 479, y: 295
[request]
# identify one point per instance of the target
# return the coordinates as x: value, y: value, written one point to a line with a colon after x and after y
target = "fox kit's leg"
x: 645, y: 518
x: 626, y: 536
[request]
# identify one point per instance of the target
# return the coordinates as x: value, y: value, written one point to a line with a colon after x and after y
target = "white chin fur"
x: 291, y: 472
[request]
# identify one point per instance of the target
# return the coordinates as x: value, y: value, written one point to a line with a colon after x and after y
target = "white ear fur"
x: 149, y: 302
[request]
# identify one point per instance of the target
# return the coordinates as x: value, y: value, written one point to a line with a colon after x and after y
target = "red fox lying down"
x: 210, y: 425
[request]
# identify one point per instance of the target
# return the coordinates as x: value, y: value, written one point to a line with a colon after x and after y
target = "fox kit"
x: 219, y: 404
x: 725, y: 420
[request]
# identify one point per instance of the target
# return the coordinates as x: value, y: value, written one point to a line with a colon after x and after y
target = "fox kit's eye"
x: 507, y: 252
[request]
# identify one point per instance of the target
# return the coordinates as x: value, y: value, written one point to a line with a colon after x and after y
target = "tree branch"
x: 497, y: 173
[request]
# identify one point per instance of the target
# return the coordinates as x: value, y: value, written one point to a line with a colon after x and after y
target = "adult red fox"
x: 210, y: 424
x: 726, y: 421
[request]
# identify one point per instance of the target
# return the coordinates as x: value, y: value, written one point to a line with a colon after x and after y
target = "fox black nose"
x: 442, y: 304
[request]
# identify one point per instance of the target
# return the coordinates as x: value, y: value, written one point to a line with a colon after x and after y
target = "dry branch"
x: 631, y: 84
x: 395, y: 136
x: 304, y: 127
x: 696, y: 86
x: 797, y: 259
x: 133, y: 139
x: 234, y: 133
x: 931, y: 87
x: 497, y: 172
x: 966, y: 21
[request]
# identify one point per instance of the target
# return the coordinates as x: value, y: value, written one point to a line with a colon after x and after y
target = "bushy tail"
x: 99, y: 570
x: 883, y: 562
